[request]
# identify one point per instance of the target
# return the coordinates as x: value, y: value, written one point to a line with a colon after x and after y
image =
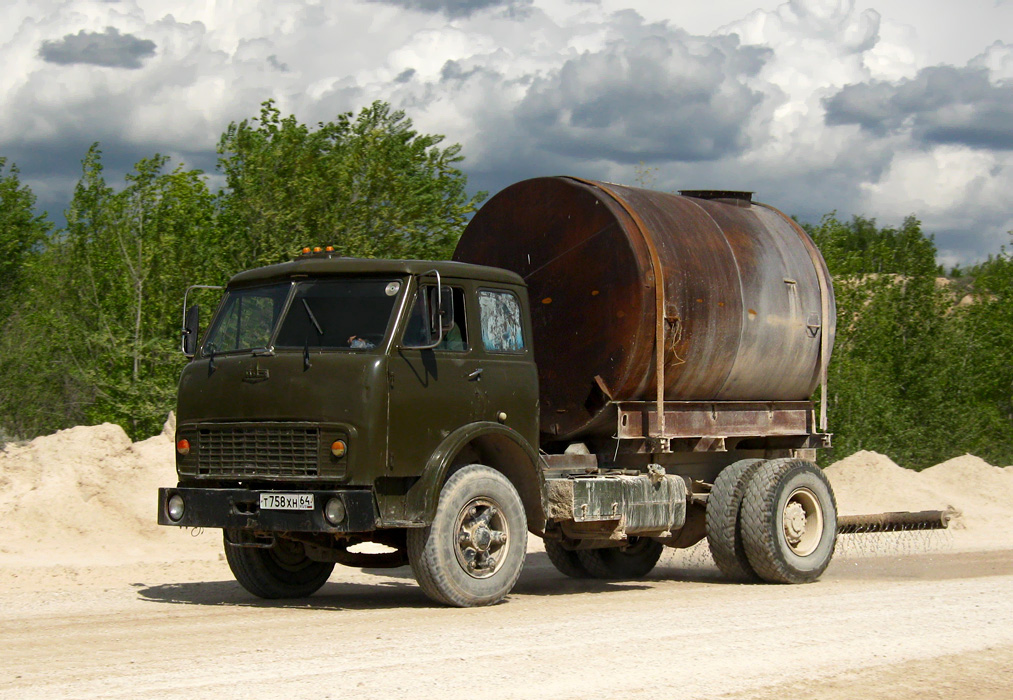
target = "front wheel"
x: 473, y: 552
x: 280, y: 571
x: 789, y: 521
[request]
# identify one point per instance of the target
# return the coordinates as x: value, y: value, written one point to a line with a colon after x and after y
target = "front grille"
x: 258, y: 451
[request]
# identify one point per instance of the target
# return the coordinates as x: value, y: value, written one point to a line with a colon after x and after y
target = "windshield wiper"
x: 312, y: 317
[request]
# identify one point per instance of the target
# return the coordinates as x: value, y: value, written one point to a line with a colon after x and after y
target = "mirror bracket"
x: 188, y: 342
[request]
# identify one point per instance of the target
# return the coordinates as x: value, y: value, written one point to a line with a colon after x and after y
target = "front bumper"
x: 240, y: 509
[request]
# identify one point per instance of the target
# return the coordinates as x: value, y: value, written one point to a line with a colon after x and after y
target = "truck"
x: 611, y: 369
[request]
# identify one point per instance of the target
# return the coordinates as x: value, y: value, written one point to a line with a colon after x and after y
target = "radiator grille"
x: 237, y: 451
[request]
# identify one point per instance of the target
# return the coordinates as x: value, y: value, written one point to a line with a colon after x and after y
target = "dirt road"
x: 921, y: 626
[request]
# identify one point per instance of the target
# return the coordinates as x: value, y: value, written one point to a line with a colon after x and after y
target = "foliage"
x: 21, y: 231
x: 369, y: 185
x: 915, y: 375
x: 95, y: 333
x: 102, y: 333
x: 90, y: 313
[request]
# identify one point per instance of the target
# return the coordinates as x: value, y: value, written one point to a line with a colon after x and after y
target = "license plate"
x: 286, y: 501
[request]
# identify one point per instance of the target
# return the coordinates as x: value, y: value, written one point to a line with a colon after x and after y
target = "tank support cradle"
x: 697, y: 426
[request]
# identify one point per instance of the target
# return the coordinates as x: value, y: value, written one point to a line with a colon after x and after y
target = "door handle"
x: 475, y: 374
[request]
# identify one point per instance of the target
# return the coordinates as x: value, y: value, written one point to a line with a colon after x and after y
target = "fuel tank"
x: 736, y: 292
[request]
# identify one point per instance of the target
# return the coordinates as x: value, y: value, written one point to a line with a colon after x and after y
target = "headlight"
x: 174, y: 508
x: 338, y: 448
x: 334, y: 511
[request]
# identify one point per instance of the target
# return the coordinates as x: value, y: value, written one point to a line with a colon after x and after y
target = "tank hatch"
x: 741, y: 199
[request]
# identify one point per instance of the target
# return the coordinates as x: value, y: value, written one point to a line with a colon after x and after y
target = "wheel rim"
x: 483, y: 537
x: 802, y: 522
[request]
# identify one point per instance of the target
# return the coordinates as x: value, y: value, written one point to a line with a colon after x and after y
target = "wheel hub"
x: 482, y: 537
x: 794, y: 523
x: 802, y: 522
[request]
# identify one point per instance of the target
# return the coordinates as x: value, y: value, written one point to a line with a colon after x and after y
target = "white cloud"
x: 712, y: 95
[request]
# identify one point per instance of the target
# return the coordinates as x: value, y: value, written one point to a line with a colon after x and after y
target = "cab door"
x: 433, y: 391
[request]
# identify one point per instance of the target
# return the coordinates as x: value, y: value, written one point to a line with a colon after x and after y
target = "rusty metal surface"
x: 690, y: 419
x: 571, y: 462
x: 742, y: 304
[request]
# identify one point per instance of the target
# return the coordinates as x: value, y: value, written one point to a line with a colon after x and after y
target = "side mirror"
x: 436, y: 311
x: 441, y: 311
x: 191, y: 330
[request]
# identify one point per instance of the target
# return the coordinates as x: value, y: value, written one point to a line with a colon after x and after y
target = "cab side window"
x: 501, y: 321
x: 419, y: 333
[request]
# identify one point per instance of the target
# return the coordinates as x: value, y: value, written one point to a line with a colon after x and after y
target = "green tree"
x: 368, y: 184
x: 971, y: 402
x: 22, y: 232
x: 98, y: 336
x: 917, y: 373
x: 890, y: 319
x: 94, y: 335
x: 136, y: 251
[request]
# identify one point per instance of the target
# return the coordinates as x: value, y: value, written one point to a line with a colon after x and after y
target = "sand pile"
x: 868, y: 482
x: 87, y: 495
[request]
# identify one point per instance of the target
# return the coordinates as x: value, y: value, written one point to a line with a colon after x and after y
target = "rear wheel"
x: 566, y: 561
x: 723, y: 519
x: 473, y: 552
x: 280, y: 571
x: 789, y: 521
x: 635, y: 560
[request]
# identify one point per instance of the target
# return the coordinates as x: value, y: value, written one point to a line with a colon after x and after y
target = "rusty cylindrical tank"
x: 740, y: 296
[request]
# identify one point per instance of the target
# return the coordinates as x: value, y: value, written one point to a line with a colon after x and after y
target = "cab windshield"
x: 339, y: 314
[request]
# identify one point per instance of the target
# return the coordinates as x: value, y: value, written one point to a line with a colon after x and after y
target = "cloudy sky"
x: 876, y: 107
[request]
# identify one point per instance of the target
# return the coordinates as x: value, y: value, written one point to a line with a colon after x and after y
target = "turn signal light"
x: 183, y: 447
x: 338, y: 448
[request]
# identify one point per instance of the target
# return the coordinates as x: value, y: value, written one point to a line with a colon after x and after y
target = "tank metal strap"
x: 659, y: 301
x: 823, y: 277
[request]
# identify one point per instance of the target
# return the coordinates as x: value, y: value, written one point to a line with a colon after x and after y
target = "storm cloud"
x: 109, y: 49
x: 455, y: 8
x: 654, y: 94
x: 816, y: 105
x: 940, y: 105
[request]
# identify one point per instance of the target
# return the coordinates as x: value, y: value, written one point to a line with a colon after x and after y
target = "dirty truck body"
x: 611, y: 369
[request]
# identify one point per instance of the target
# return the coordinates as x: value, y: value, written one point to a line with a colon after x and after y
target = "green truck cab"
x: 652, y: 392
x: 333, y: 396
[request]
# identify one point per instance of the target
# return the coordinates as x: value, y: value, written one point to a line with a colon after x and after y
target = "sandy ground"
x: 97, y: 601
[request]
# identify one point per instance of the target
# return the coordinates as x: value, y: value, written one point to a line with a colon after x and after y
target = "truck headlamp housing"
x: 334, y: 511
x: 174, y: 507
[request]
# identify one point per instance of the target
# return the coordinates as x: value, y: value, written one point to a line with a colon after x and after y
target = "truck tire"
x: 473, y: 552
x: 566, y: 561
x: 789, y: 521
x: 724, y: 507
x: 281, y: 571
x: 633, y: 561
